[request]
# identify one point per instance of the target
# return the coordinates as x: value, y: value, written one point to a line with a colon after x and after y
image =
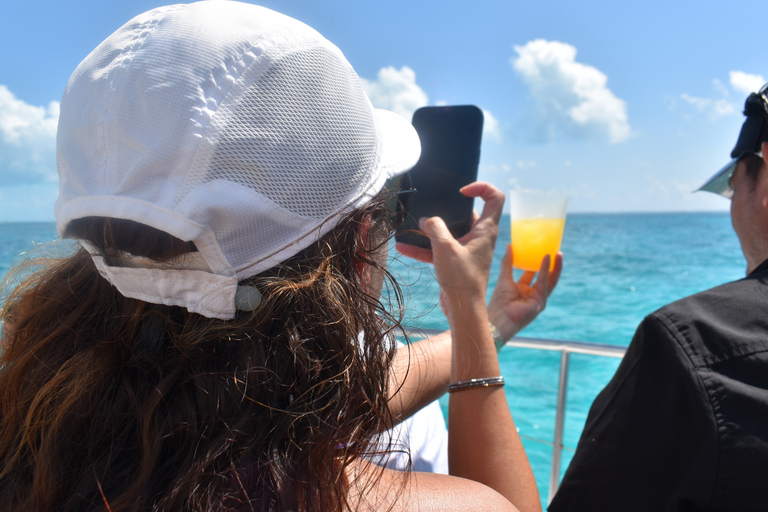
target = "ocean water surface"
x: 617, y: 269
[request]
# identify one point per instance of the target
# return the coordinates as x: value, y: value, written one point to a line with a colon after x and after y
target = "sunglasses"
x: 399, y: 192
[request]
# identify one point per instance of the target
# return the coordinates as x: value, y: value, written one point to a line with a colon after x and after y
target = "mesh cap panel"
x: 310, y: 167
x: 227, y: 125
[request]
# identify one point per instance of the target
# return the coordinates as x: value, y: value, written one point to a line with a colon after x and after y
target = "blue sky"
x: 628, y: 106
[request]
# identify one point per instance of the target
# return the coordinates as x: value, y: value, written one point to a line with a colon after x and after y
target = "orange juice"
x: 532, y: 239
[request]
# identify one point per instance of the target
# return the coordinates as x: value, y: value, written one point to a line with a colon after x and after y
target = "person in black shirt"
x: 683, y: 425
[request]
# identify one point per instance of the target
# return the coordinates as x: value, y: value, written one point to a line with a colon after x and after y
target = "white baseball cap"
x: 224, y: 124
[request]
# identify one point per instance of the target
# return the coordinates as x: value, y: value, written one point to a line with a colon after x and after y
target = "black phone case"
x: 450, y: 153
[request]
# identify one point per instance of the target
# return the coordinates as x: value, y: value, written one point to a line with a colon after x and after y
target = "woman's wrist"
x: 474, y: 349
x: 506, y: 328
x: 458, y: 299
x: 467, y: 316
x: 498, y: 339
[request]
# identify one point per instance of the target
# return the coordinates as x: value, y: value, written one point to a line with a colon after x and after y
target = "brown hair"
x: 111, y: 403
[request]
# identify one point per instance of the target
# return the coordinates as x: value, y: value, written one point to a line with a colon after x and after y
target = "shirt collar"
x: 760, y: 268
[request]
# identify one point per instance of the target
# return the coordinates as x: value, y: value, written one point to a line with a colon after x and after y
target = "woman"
x: 225, y: 174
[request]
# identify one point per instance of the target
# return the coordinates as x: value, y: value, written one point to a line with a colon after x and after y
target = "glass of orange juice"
x: 538, y: 220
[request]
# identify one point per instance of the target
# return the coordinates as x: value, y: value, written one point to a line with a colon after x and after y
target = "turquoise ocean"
x: 617, y: 269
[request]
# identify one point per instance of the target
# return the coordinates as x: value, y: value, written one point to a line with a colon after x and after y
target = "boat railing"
x: 566, y: 348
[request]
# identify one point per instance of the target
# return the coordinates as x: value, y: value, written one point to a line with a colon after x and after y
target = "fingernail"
x: 422, y: 221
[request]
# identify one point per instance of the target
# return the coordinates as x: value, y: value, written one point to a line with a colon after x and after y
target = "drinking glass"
x: 538, y: 220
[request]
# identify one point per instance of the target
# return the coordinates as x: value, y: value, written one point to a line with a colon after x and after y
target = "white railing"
x: 566, y: 348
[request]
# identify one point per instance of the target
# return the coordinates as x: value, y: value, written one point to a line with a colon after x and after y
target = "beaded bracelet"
x: 476, y: 383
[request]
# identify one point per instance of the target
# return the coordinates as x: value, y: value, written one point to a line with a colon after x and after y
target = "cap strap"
x: 183, y: 282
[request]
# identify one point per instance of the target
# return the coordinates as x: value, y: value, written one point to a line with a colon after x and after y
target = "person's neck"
x: 758, y: 266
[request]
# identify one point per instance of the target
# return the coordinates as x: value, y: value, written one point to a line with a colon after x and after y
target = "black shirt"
x: 683, y: 425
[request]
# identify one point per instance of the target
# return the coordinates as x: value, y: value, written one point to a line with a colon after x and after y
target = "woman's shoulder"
x: 399, y: 491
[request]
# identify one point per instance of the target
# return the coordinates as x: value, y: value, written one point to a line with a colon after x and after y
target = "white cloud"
x: 569, y: 96
x: 746, y: 83
x: 27, y: 140
x: 526, y: 164
x: 713, y: 108
x: 583, y: 191
x: 656, y: 186
x: 665, y: 187
x: 396, y: 91
x: 719, y: 87
x: 727, y: 104
x: 491, y: 126
x: 503, y: 167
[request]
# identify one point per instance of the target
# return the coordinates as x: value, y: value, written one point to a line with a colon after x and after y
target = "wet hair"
x: 111, y: 403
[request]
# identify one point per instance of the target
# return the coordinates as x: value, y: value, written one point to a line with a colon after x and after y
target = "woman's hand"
x: 483, y: 444
x: 462, y: 265
x: 514, y: 305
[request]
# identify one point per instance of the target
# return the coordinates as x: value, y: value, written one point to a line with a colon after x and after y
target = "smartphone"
x: 450, y: 153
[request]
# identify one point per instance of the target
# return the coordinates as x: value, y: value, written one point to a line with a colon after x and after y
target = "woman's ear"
x: 363, y: 228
